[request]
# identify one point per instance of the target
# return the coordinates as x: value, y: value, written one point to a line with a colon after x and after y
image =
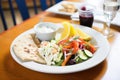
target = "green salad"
x: 69, y: 51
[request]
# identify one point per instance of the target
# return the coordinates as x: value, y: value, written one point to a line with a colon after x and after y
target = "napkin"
x: 99, y: 16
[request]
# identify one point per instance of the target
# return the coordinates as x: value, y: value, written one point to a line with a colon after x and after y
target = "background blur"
x: 7, y: 13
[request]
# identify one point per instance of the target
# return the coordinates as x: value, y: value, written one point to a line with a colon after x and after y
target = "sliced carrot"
x: 91, y: 47
x: 63, y: 41
x: 66, y: 60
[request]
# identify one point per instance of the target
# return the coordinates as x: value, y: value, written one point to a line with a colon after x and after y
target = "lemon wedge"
x: 69, y: 31
x: 66, y: 31
x: 73, y: 32
x: 82, y: 34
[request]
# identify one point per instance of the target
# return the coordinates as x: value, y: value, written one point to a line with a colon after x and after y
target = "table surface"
x: 109, y: 69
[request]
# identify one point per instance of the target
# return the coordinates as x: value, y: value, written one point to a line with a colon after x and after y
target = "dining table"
x: 109, y: 69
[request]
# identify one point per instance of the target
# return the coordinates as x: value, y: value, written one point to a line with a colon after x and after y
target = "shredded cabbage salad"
x: 66, y: 52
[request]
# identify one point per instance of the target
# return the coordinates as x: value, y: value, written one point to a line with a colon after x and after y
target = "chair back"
x: 23, y: 9
x: 21, y: 4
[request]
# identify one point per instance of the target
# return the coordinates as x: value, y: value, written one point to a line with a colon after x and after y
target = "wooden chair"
x: 21, y: 4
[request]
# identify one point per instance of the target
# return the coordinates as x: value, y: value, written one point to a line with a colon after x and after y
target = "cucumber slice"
x: 88, y: 53
x: 82, y: 55
x: 78, y: 59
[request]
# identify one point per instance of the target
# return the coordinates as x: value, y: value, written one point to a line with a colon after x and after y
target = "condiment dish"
x: 45, y: 30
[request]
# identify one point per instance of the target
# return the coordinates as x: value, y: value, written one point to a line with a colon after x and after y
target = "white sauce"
x: 44, y: 29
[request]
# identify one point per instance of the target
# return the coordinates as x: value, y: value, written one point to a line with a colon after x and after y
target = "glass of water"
x: 110, y: 8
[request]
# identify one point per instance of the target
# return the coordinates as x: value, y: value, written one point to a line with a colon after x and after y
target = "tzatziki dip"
x: 44, y: 29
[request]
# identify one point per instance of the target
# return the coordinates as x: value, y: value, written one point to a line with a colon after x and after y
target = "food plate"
x: 98, y: 57
x: 56, y: 7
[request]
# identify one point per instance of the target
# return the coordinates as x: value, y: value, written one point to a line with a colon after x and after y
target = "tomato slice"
x: 75, y: 46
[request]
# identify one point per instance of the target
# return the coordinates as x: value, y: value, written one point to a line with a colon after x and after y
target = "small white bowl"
x: 48, y: 32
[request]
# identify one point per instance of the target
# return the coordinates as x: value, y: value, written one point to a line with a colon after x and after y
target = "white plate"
x: 98, y: 57
x: 55, y: 8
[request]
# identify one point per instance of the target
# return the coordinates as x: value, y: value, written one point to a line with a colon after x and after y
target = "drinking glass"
x: 110, y: 8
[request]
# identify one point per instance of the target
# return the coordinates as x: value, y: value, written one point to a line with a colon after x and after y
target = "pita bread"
x: 26, y: 49
x: 35, y: 39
